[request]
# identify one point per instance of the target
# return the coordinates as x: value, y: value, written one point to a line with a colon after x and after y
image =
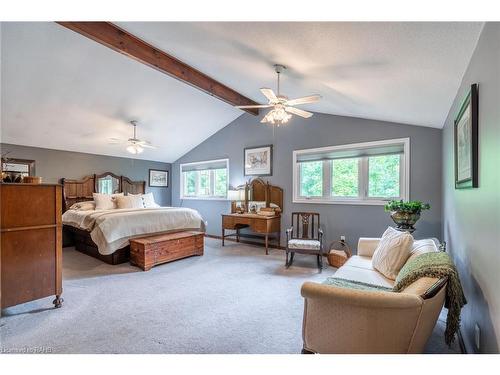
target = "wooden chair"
x: 304, y: 237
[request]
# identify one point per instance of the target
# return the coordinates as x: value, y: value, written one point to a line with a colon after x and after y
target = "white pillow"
x: 129, y: 201
x: 149, y: 201
x: 421, y: 247
x: 105, y: 201
x: 83, y: 206
x: 392, y: 252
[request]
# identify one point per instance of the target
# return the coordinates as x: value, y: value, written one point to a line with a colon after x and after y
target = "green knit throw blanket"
x: 436, y: 265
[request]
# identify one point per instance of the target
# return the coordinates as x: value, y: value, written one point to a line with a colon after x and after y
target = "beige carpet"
x: 234, y: 299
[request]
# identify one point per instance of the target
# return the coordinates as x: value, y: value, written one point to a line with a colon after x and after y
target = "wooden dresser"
x: 31, y: 243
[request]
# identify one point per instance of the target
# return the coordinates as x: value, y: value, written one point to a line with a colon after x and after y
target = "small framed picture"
x: 258, y: 161
x: 466, y: 142
x: 158, y: 178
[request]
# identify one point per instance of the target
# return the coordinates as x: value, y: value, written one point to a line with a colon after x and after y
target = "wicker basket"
x: 338, y: 254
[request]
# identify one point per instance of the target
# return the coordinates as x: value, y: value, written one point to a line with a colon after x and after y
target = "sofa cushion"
x: 364, y: 275
x: 392, y: 252
x: 304, y: 244
x: 360, y: 262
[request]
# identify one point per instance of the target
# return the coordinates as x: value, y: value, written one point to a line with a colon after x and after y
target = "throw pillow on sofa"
x: 392, y: 252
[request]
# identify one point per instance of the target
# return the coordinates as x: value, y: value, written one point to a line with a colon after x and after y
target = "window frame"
x: 211, y: 181
x: 363, y: 175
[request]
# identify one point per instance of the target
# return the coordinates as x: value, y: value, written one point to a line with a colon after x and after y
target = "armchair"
x: 304, y: 237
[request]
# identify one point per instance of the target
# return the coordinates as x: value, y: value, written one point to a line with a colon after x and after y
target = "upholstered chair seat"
x: 304, y: 244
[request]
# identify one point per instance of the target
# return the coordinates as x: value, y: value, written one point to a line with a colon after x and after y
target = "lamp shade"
x: 241, y: 193
x: 233, y: 195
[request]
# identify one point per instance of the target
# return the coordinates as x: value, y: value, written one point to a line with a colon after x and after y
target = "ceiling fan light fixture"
x: 134, y: 149
x: 282, y: 107
x: 278, y: 116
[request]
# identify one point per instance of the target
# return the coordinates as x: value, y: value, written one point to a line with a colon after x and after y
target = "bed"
x: 105, y: 234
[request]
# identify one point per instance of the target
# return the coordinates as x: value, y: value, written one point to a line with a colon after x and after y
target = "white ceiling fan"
x: 134, y: 145
x: 282, y: 107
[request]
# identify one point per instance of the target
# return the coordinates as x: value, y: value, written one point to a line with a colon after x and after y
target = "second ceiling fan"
x: 282, y: 107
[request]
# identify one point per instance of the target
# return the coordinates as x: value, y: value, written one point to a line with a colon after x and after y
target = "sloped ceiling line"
x: 125, y: 43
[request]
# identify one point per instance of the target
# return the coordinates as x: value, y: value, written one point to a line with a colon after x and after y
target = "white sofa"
x: 341, y: 320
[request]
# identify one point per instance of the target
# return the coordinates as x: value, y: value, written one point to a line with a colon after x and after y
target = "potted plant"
x: 406, y: 214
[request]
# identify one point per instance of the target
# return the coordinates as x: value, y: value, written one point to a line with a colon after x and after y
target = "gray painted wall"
x: 352, y: 221
x: 471, y: 218
x: 52, y: 165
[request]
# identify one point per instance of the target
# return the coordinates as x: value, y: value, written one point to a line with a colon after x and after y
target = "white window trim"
x: 202, y: 198
x: 405, y: 186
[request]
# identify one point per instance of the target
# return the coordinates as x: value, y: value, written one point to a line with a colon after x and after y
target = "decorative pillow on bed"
x: 83, y: 206
x: 392, y: 252
x: 129, y: 201
x: 105, y: 201
x: 149, y: 201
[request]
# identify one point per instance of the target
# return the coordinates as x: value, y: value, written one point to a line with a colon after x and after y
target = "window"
x: 311, y: 177
x: 204, y: 180
x: 362, y: 173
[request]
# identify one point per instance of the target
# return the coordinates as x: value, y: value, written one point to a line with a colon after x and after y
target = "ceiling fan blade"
x: 145, y: 144
x: 116, y: 141
x: 269, y: 94
x: 266, y: 118
x: 254, y: 106
x: 304, y: 100
x: 298, y: 112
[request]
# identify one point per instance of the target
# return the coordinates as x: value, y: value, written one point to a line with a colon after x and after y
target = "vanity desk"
x: 264, y: 193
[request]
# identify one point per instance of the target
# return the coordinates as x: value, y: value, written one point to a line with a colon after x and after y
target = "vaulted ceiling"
x: 61, y: 90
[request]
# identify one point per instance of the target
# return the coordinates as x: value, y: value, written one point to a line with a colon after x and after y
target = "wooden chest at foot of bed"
x: 147, y: 252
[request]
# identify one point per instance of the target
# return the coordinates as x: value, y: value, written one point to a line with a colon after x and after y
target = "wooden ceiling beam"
x: 121, y: 41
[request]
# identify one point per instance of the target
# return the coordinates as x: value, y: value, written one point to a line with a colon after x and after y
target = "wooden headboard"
x: 75, y: 191
x: 260, y: 190
x: 132, y: 187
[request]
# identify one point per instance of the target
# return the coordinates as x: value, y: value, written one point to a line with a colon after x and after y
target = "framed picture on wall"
x: 258, y: 161
x: 158, y: 178
x: 466, y: 142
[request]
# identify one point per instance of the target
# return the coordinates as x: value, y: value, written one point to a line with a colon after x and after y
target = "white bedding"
x: 112, y: 229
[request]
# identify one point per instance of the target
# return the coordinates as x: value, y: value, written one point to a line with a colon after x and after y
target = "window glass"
x: 311, y: 179
x: 383, y: 176
x: 190, y: 183
x: 345, y: 177
x: 204, y: 187
x: 220, y: 182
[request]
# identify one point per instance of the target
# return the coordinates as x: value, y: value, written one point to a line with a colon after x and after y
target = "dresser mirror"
x: 107, y: 183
